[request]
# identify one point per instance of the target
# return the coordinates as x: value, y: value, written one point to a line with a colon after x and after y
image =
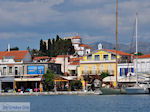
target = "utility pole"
x: 116, y: 43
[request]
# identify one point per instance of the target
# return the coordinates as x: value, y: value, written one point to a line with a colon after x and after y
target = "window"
x: 105, y: 57
x: 94, y: 70
x: 10, y: 69
x: 16, y: 70
x: 85, y: 70
x: 110, y: 66
x: 4, y: 70
x: 101, y: 68
x: 89, y: 57
x: 113, y: 56
x: 97, y: 57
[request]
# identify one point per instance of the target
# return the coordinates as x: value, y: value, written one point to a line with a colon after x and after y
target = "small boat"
x: 137, y: 90
x: 98, y: 92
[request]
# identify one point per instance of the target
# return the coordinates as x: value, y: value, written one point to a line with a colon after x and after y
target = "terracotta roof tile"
x: 42, y: 57
x: 62, y: 56
x: 15, y: 54
x: 75, y: 59
x: 144, y: 56
x: 86, y: 46
x: 76, y: 37
x: 118, y: 52
x: 75, y: 63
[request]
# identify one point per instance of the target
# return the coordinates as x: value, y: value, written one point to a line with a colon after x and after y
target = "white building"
x: 80, y: 48
x: 143, y: 64
x: 64, y: 61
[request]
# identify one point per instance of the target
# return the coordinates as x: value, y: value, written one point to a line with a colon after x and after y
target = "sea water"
x: 75, y: 103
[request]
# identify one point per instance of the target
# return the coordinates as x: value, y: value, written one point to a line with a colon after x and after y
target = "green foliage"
x: 138, y: 54
x: 56, y: 47
x: 48, y: 80
x: 43, y: 50
x: 75, y: 85
x: 33, y: 52
x: 104, y: 74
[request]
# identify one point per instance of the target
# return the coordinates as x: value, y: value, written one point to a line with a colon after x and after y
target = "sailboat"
x: 138, y: 88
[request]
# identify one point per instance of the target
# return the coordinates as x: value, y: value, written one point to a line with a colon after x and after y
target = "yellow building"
x: 103, y: 60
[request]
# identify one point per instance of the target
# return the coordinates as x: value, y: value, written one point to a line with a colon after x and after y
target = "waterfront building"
x: 69, y: 64
x: 102, y: 60
x: 64, y: 61
x: 11, y: 65
x: 73, y: 65
x: 33, y: 72
x: 143, y: 64
x: 125, y: 74
x: 17, y: 70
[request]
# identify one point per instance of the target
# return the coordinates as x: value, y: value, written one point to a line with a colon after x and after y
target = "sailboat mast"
x: 136, y: 32
x: 116, y: 42
x: 136, y: 37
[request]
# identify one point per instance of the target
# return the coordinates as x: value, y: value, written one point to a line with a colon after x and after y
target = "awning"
x: 109, y: 79
x: 7, y: 79
x: 122, y: 79
x: 65, y: 78
x: 27, y: 79
x: 69, y: 77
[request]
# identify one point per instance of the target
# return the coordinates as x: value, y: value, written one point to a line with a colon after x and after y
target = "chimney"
x: 8, y: 47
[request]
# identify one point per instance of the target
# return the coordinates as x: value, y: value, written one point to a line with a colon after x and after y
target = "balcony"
x: 94, y: 61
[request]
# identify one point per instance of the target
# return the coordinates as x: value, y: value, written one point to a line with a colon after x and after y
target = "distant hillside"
x: 143, y: 47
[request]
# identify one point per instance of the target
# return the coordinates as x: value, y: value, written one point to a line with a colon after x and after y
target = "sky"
x: 24, y: 22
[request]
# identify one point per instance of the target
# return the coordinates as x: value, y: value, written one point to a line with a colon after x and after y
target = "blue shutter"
x: 132, y: 70
x: 126, y: 71
x: 120, y: 71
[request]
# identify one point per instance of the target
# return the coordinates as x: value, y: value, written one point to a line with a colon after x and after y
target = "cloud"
x: 90, y: 18
x: 17, y: 35
x: 28, y: 13
x: 88, y: 2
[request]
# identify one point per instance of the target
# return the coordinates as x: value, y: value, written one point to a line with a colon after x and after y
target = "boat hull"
x: 133, y: 90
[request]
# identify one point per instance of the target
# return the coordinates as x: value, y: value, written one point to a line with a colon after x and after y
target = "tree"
x: 104, y: 74
x: 138, y: 54
x: 56, y: 46
x: 43, y: 48
x: 41, y: 45
x: 48, y: 80
x: 49, y: 52
x: 71, y: 49
x: 57, y: 38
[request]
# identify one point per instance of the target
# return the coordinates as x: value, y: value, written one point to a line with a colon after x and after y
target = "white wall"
x: 143, y: 65
x: 62, y: 61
